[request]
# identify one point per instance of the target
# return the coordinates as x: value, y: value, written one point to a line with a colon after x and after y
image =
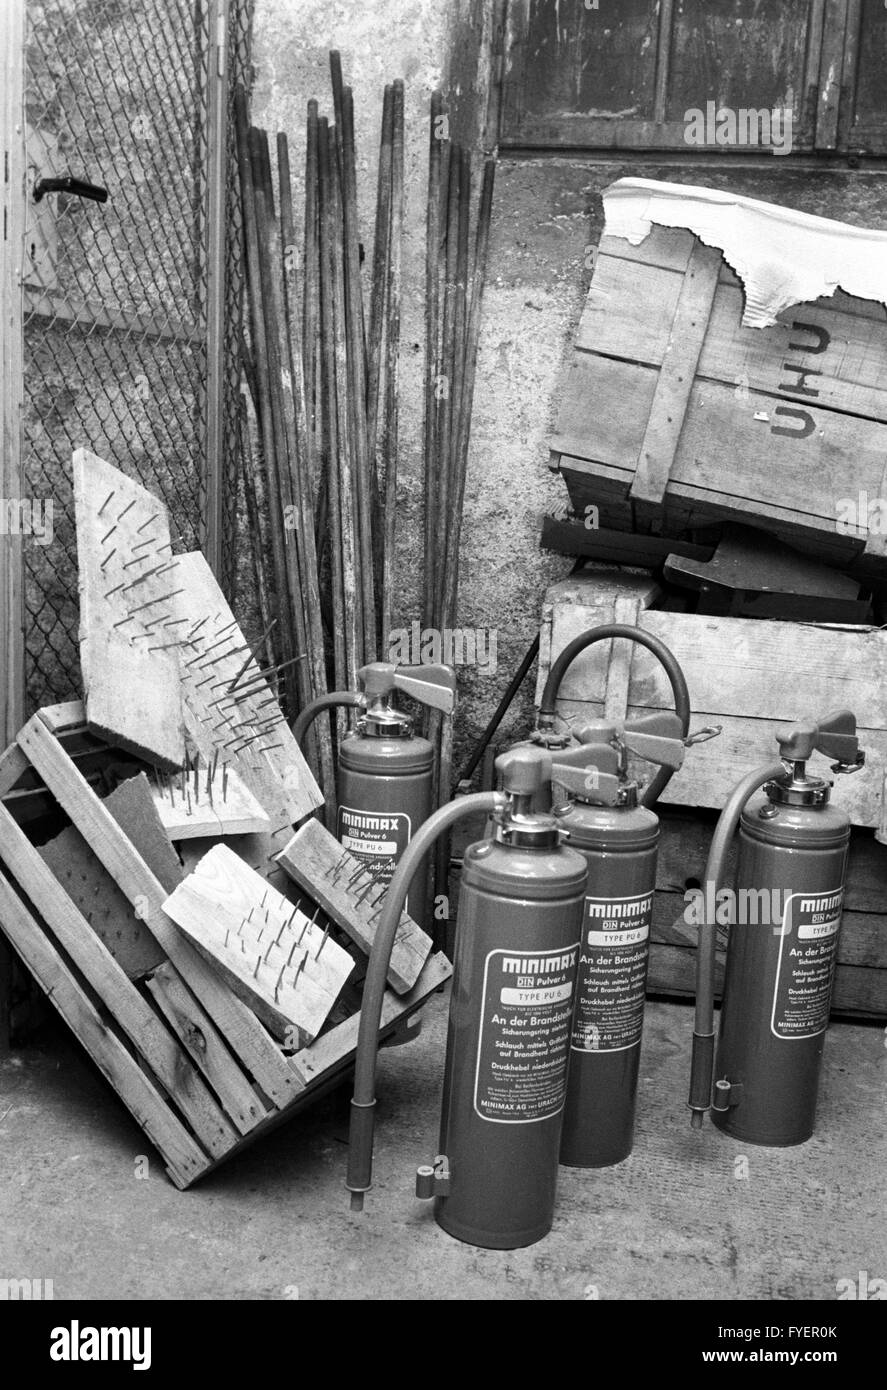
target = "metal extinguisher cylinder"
x: 520, y: 911
x: 597, y: 803
x: 385, y: 768
x: 782, y: 941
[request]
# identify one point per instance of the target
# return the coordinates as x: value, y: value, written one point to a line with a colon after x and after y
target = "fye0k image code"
x: 612, y: 973
x: 380, y: 840
x: 524, y: 1040
x: 807, y: 949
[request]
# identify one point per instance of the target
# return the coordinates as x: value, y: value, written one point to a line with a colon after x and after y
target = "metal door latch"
x: 66, y: 183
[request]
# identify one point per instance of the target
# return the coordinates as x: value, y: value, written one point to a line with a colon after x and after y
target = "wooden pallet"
x: 197, y: 1069
x: 675, y: 416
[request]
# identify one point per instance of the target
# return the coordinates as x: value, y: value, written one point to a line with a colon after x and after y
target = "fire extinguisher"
x: 779, y: 972
x: 384, y: 767
x: 545, y: 739
x: 598, y: 804
x: 520, y: 914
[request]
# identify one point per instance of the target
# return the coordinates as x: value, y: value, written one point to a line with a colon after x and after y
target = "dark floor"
x: 677, y: 1220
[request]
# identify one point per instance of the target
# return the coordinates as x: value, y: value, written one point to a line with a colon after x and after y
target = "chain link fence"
x: 115, y: 292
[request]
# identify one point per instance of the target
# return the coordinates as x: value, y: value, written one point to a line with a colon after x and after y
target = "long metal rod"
x: 392, y: 368
x: 343, y: 603
x: 216, y: 216
x: 353, y: 607
x: 432, y: 363
x: 259, y: 353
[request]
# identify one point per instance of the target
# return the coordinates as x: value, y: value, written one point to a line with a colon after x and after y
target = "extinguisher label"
x: 612, y: 986
x: 523, y: 1050
x: 808, y: 945
x: 378, y: 838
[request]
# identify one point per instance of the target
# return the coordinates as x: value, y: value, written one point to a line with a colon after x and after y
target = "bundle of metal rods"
x: 454, y: 283
x: 321, y: 367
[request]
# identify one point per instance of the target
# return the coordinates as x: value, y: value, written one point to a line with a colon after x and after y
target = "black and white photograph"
x: 443, y: 671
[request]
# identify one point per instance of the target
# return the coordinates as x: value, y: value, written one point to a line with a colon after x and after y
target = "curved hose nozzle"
x: 676, y: 679
x: 308, y: 715
x: 702, y: 1063
x: 360, y: 1142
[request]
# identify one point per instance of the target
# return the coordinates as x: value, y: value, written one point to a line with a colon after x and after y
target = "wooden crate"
x: 673, y: 416
x: 749, y: 676
x: 197, y: 1069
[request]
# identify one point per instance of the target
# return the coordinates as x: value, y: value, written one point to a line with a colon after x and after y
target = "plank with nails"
x: 315, y: 860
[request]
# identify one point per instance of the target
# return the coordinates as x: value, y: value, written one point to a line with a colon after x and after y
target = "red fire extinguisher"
x: 779, y: 971
x: 598, y: 804
x: 384, y: 773
x: 520, y: 913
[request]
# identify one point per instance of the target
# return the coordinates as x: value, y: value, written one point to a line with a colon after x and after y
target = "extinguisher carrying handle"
x: 676, y: 679
x: 702, y: 1063
x: 308, y: 715
x: 363, y: 1102
x: 431, y: 685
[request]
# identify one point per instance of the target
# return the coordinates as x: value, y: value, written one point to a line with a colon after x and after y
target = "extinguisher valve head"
x: 834, y: 735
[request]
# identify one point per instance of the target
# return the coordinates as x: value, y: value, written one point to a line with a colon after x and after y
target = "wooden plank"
x: 683, y: 850
x: 197, y: 1034
x: 244, y: 727
x: 70, y: 714
x: 857, y: 991
x: 328, y: 1061
x: 315, y: 860
x: 283, y: 964
x: 207, y: 803
x: 127, y: 574
x: 95, y: 894
x: 242, y: 1031
x: 340, y: 1044
x: 259, y: 851
x: 631, y: 306
x: 185, y: 1158
x: 571, y: 536
x: 110, y: 982
x: 665, y: 421
x: 13, y: 765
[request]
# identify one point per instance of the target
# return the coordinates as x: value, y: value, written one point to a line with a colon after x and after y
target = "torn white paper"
x: 781, y: 256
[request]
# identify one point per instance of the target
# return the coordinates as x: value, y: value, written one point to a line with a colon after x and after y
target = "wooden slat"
x: 283, y: 965
x: 71, y: 714
x: 13, y: 765
x: 195, y: 1030
x: 185, y: 1158
x: 310, y: 858
x: 96, y: 895
x: 110, y: 982
x: 270, y: 765
x: 339, y: 1044
x: 856, y: 990
x: 241, y: 1029
x: 130, y: 667
x: 190, y: 809
x: 665, y: 421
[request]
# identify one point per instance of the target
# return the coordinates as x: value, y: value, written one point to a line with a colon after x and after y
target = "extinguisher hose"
x: 548, y: 706
x: 703, y: 1056
x: 360, y: 1150
x: 308, y: 715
